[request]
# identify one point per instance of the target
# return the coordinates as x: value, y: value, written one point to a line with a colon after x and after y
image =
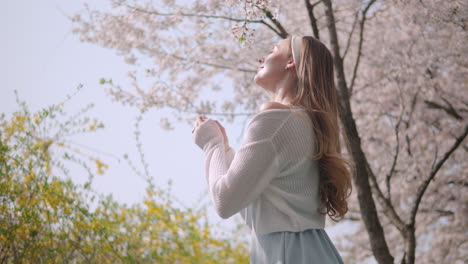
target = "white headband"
x: 296, y: 45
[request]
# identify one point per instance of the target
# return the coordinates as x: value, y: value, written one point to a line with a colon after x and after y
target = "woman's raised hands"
x: 201, y: 119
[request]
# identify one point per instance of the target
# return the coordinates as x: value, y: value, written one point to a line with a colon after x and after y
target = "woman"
x: 288, y: 173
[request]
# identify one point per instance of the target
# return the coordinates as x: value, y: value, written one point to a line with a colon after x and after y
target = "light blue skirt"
x: 309, y: 246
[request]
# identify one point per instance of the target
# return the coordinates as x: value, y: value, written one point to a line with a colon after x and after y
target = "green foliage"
x: 104, y: 81
x: 47, y: 218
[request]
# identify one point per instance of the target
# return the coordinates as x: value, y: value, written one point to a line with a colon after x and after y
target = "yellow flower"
x: 19, y: 123
x: 19, y: 119
x: 36, y: 119
x: 192, y: 219
x: 93, y: 126
x: 55, y: 185
x: 100, y: 166
x: 205, y: 233
x: 94, y: 225
x: 28, y: 178
x: 47, y: 167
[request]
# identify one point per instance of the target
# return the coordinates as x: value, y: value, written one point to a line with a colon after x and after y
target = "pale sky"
x: 44, y: 62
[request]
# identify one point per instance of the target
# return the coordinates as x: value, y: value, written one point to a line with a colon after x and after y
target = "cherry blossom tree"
x: 401, y: 75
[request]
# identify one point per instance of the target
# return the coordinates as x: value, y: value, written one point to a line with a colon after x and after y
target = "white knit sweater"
x: 271, y: 180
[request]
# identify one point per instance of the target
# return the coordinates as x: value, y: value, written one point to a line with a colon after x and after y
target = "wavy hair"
x: 315, y: 90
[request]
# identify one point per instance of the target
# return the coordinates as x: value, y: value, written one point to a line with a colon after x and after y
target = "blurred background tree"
x: 47, y: 218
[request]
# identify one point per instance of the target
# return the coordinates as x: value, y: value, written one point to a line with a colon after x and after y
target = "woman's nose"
x: 261, y: 60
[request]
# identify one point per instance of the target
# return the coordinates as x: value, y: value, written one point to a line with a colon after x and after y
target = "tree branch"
x: 441, y: 212
x: 213, y: 64
x: 408, y: 121
x: 410, y: 237
x: 388, y: 208
x: 459, y: 182
x: 205, y: 16
x: 423, y: 187
x: 361, y: 39
x: 389, y: 175
x: 450, y: 110
x: 282, y: 32
x: 192, y: 15
x: 313, y: 20
x: 348, y: 43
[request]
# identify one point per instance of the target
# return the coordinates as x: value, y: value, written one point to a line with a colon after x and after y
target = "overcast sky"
x: 44, y: 62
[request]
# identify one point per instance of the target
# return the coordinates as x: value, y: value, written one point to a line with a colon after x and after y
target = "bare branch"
x: 441, y: 212
x: 423, y: 187
x: 348, y: 43
x: 361, y: 39
x: 213, y: 64
x: 282, y: 32
x: 459, y: 182
x: 313, y: 20
x: 193, y: 15
x: 388, y: 177
x: 408, y: 121
x: 449, y: 109
x: 388, y: 208
x: 205, y: 16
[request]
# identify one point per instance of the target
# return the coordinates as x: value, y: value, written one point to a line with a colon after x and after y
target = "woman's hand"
x: 226, y: 140
x: 201, y: 119
x: 198, y: 121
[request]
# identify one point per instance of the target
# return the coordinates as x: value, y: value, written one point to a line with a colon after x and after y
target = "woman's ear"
x: 290, y: 65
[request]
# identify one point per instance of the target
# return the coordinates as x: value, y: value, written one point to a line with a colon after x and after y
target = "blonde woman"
x: 288, y: 173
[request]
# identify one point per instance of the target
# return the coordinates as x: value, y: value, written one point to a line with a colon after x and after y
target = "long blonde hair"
x: 316, y: 91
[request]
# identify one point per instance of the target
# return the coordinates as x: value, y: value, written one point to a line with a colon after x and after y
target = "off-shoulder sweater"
x: 271, y: 181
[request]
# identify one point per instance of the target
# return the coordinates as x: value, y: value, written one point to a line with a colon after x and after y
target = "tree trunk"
x: 361, y: 179
x: 410, y: 245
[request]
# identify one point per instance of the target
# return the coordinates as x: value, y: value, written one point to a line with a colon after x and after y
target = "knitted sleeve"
x: 229, y: 157
x: 233, y: 185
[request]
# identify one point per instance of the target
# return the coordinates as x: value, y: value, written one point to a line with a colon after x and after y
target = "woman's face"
x: 272, y: 67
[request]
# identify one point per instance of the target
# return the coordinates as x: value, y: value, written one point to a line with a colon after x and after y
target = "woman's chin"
x: 257, y: 82
x: 258, y: 78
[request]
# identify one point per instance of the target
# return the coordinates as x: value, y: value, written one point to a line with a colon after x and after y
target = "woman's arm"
x: 234, y: 185
x: 229, y: 157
